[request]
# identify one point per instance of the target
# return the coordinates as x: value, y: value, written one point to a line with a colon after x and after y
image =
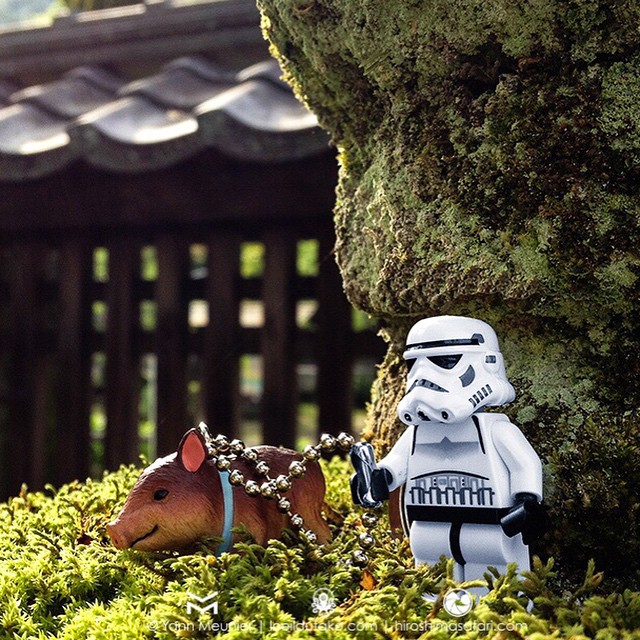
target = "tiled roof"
x: 191, y: 104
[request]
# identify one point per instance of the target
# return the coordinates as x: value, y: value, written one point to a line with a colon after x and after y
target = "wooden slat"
x: 171, y: 342
x: 220, y: 384
x: 73, y: 363
x: 24, y: 437
x: 365, y: 344
x: 122, y: 375
x: 334, y: 350
x: 39, y: 467
x: 280, y: 398
x: 250, y: 288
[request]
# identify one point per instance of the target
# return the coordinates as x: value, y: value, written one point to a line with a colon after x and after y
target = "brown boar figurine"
x: 183, y: 498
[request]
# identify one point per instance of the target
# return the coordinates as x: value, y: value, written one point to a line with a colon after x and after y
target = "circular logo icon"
x: 323, y: 601
x: 458, y: 602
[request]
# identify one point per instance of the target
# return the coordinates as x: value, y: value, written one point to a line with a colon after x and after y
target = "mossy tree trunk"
x: 489, y: 162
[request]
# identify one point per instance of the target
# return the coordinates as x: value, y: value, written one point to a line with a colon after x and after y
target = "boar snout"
x: 117, y: 535
x: 124, y: 538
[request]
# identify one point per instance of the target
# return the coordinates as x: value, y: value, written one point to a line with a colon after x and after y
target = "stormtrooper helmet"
x: 455, y: 369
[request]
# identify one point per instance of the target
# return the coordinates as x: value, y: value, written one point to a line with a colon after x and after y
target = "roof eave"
x: 154, y: 30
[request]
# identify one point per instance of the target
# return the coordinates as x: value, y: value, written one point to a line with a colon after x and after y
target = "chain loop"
x: 222, y: 452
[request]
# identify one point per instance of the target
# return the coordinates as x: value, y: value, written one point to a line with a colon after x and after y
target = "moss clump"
x: 489, y: 157
x: 60, y: 578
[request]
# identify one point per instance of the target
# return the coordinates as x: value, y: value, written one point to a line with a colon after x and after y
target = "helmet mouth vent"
x: 480, y: 395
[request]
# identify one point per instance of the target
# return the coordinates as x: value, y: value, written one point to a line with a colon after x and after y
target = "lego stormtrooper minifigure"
x: 471, y: 482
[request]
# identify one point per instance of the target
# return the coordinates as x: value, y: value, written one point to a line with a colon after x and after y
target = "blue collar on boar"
x: 227, y: 497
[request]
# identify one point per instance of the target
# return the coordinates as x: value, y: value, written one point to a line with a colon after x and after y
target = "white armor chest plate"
x: 457, y: 465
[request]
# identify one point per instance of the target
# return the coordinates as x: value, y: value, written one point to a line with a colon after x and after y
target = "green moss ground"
x: 60, y: 578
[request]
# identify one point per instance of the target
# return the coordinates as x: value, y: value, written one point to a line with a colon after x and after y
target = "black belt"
x: 456, y: 515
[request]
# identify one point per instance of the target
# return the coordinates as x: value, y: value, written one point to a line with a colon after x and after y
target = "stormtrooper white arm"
x: 396, y: 462
x: 525, y: 468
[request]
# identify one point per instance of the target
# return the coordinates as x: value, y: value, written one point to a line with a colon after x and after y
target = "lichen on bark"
x: 489, y: 156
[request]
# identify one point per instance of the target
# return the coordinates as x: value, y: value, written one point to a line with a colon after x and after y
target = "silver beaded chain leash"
x: 221, y: 451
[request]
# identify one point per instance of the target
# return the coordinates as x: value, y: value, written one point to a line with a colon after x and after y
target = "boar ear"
x: 192, y: 451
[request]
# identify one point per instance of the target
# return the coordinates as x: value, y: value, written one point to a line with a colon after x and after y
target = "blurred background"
x: 166, y: 241
x: 42, y: 12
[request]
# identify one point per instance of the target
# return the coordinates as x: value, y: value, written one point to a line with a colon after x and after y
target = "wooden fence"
x: 80, y: 317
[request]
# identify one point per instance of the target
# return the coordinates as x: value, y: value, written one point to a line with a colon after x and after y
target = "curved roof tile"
x: 267, y: 70
x: 6, y: 89
x: 32, y: 142
x: 132, y: 134
x: 154, y: 122
x: 179, y: 87
x: 259, y: 105
x: 68, y: 98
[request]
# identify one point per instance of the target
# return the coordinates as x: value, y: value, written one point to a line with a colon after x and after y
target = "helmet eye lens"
x: 446, y: 362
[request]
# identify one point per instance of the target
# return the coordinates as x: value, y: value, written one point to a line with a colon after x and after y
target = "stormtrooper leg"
x: 483, y: 545
x: 431, y: 540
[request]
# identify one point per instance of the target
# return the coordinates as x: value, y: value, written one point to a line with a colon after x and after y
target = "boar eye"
x: 160, y: 494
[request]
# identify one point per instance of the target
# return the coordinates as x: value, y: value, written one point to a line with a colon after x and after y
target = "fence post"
x: 220, y: 384
x: 27, y: 435
x: 122, y: 374
x: 280, y: 396
x: 334, y: 353
x: 73, y: 364
x: 171, y: 348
